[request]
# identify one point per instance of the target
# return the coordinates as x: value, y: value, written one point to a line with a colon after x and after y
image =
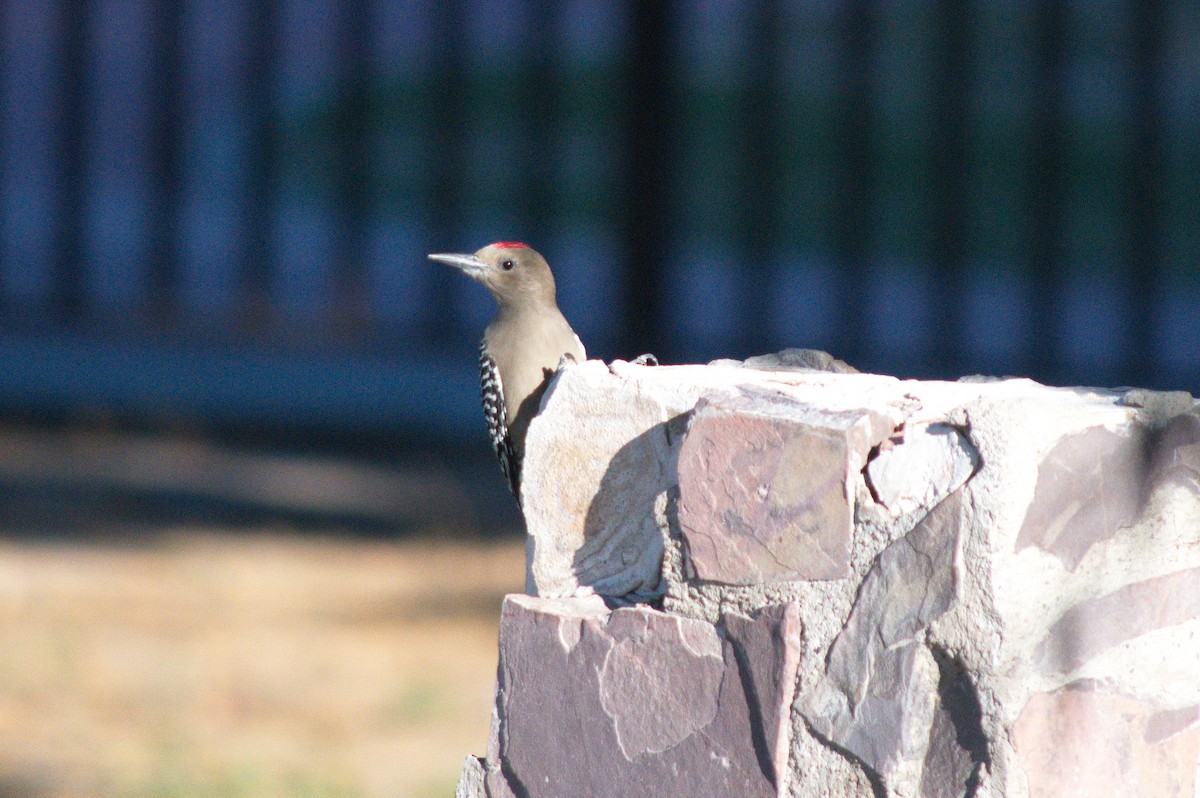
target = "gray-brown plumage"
x: 522, y: 346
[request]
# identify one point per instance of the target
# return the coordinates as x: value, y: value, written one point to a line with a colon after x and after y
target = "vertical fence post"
x: 951, y: 108
x: 541, y: 108
x: 448, y: 113
x: 69, y: 301
x: 648, y: 174
x: 1048, y: 186
x: 853, y: 172
x: 353, y: 184
x: 261, y: 67
x: 760, y: 192
x: 1144, y: 222
x: 167, y: 167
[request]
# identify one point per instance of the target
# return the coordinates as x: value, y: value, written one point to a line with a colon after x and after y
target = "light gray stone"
x: 1158, y: 406
x: 879, y: 696
x: 920, y: 466
x: 792, y: 360
x: 636, y: 701
x: 766, y: 486
x: 599, y: 460
x: 470, y: 783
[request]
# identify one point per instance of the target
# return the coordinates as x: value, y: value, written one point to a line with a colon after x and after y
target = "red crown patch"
x: 510, y: 245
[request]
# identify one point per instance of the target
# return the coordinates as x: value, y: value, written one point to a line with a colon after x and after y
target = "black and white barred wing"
x: 492, y: 391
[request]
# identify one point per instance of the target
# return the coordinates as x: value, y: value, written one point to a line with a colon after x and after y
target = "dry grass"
x: 251, y: 665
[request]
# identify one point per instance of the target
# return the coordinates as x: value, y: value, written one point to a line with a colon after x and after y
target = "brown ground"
x: 205, y: 664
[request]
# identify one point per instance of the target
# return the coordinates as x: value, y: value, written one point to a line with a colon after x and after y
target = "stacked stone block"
x: 803, y: 583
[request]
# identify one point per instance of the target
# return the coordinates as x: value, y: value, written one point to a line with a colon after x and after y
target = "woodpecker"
x: 523, y: 346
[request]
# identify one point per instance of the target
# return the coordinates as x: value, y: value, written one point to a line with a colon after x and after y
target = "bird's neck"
x: 539, y: 306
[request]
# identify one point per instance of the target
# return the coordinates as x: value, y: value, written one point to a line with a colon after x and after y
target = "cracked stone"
x: 642, y: 698
x: 653, y: 708
x: 921, y: 467
x: 879, y: 697
x: 766, y: 486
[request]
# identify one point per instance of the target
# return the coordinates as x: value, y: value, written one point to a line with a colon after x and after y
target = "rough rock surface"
x: 880, y: 694
x: 792, y: 360
x: 472, y: 781
x: 920, y: 466
x: 997, y: 583
x: 599, y: 702
x: 766, y: 486
x: 602, y: 458
x: 598, y: 529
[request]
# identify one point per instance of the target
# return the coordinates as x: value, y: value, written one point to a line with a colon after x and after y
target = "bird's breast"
x: 526, y: 356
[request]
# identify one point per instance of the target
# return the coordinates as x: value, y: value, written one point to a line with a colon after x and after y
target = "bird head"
x: 512, y: 271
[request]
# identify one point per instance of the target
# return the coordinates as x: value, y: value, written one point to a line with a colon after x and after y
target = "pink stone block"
x: 1095, y: 482
x: 1082, y: 741
x: 638, y: 702
x: 766, y: 487
x: 1089, y: 485
x: 1093, y: 626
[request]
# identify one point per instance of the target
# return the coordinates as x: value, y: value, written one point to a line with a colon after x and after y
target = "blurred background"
x: 252, y: 540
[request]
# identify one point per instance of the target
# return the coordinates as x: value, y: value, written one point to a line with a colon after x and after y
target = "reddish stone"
x: 1089, y: 485
x: 1093, y: 626
x: 599, y: 703
x: 1082, y: 741
x: 1165, y: 725
x: 1095, y: 482
x: 767, y: 649
x: 766, y: 487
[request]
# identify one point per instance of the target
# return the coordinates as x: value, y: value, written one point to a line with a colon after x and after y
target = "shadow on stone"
x: 755, y: 703
x: 622, y: 551
x: 1098, y: 481
x: 957, y: 746
x: 878, y: 790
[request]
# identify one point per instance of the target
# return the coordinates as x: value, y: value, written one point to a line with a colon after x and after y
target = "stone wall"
x: 795, y: 583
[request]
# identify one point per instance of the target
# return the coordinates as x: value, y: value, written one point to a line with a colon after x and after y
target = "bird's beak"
x: 470, y: 264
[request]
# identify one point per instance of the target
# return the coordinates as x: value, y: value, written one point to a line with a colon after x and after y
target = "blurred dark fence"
x: 221, y: 209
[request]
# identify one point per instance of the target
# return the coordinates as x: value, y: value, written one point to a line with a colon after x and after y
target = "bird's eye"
x: 507, y: 265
